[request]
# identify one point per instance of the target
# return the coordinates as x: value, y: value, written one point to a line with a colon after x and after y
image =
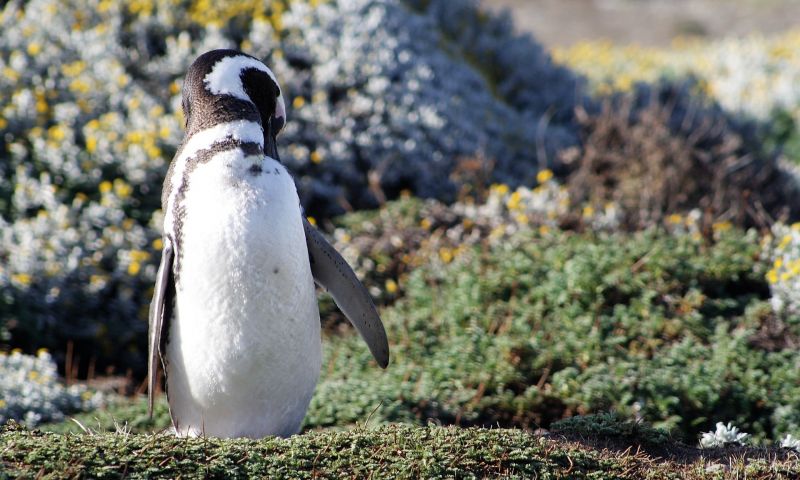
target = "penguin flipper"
x: 160, y: 314
x: 332, y: 272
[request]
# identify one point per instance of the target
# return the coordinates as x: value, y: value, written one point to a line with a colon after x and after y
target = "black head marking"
x: 265, y: 94
x: 213, y: 94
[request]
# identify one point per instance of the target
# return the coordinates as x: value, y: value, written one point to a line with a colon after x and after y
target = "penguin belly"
x: 244, y: 349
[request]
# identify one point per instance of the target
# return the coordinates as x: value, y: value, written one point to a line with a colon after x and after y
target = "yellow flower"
x: 772, y: 276
x: 675, y: 219
x: 544, y: 230
x: 785, y: 241
x: 34, y: 48
x: 312, y: 221
x: 544, y: 175
x: 134, y: 268
x: 156, y: 111
x: 588, y: 211
x: 80, y: 85
x: 56, y: 132
x: 134, y: 136
x: 91, y: 144
x: 122, y: 188
x: 33, y: 375
x: 11, y: 74
x: 391, y: 286
x: 778, y: 263
x: 425, y: 223
x: 41, y: 351
x: 721, y: 226
x: 316, y: 157
x: 500, y: 188
x: 3, y: 123
x: 497, y: 232
x: 104, y: 6
x: 446, y: 254
x: 2, y: 403
x: 298, y: 102
x: 41, y: 104
x: 105, y: 186
x: 139, y: 255
x: 74, y: 69
x: 22, y: 278
x: 514, y: 201
x: 522, y: 219
x: 152, y: 150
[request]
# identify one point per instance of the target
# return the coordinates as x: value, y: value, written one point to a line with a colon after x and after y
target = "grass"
x: 390, y: 451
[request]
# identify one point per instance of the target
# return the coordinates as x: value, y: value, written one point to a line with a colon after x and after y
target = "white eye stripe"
x: 225, y: 79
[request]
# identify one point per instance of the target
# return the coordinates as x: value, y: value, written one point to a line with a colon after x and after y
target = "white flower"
x: 30, y: 391
x: 790, y: 442
x: 724, y: 435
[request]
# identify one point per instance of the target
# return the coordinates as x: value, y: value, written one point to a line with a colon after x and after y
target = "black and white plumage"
x: 234, y: 316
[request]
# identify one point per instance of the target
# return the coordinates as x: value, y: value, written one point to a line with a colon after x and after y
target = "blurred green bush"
x: 533, y: 327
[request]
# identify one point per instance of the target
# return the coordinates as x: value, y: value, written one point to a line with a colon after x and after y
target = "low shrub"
x: 662, y: 150
x: 30, y: 391
x: 754, y: 76
x: 538, y: 327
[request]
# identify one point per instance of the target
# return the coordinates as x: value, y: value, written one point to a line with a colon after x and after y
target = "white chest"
x: 244, y: 349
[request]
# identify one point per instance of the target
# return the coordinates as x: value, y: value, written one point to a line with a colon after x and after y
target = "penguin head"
x: 227, y: 85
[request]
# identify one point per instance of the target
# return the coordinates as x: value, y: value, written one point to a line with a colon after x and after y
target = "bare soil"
x: 558, y: 23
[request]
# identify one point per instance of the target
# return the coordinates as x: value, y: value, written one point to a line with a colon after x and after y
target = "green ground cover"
x: 392, y: 451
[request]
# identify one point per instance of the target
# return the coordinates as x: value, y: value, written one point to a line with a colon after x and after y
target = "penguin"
x: 234, y: 320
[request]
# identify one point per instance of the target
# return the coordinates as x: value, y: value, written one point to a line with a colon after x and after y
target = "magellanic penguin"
x: 234, y: 317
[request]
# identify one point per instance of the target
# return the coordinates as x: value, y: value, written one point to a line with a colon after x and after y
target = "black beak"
x: 271, y: 141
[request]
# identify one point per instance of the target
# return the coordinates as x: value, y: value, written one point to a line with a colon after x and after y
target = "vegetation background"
x: 586, y: 252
